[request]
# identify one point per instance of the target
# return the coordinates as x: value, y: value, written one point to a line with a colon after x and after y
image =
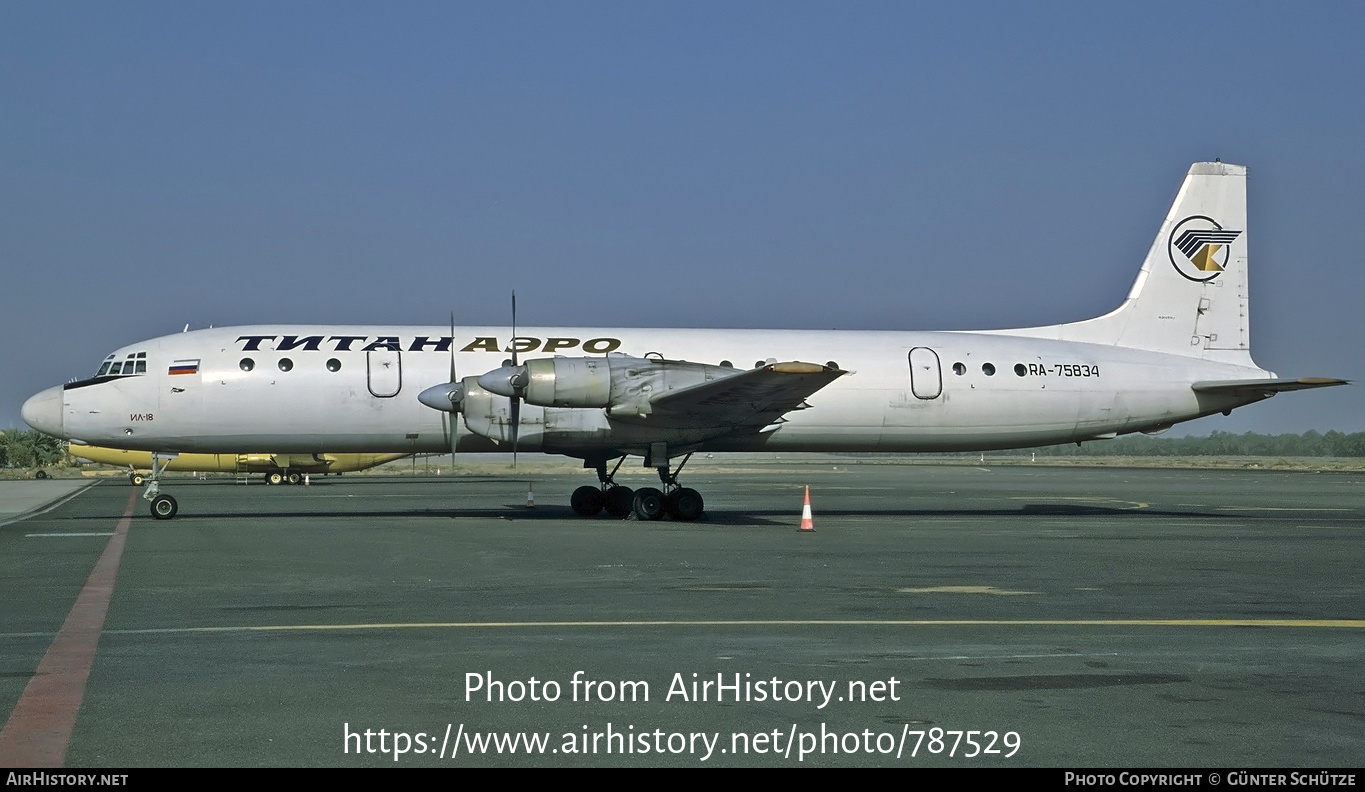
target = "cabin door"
x: 926, y: 378
x: 385, y: 372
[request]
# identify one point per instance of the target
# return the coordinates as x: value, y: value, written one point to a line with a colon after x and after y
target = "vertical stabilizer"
x: 1191, y: 296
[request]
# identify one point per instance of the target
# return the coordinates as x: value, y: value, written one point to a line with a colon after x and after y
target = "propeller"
x: 452, y: 394
x: 509, y: 380
x: 518, y: 385
x: 447, y: 397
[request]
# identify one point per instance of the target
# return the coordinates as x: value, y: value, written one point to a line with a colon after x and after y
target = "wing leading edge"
x: 748, y: 400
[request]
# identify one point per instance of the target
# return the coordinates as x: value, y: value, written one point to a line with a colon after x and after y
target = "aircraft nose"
x: 43, y: 411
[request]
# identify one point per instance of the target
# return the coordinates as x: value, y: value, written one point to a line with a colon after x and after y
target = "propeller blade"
x: 453, y: 378
x: 516, y: 400
x: 516, y: 428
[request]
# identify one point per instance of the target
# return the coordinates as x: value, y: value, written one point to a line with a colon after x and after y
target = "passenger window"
x: 959, y: 369
x: 988, y: 369
x: 286, y: 364
x: 333, y: 364
x: 247, y: 364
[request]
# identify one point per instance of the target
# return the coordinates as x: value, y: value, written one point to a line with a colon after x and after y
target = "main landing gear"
x: 280, y: 477
x: 646, y: 503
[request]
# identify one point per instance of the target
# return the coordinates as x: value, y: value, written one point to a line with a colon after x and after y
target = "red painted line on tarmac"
x: 39, y: 728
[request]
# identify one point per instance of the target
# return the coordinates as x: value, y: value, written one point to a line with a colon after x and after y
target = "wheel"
x: 164, y: 507
x: 586, y: 501
x: 136, y: 478
x: 42, y: 474
x: 295, y: 478
x: 648, y: 503
x: 617, y: 501
x: 685, y: 504
x: 274, y: 478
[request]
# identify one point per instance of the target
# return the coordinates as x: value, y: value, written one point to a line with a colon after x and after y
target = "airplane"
x: 1177, y: 348
x: 275, y: 468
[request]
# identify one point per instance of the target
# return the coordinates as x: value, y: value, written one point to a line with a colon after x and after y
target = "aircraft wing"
x: 752, y: 399
x: 1264, y: 387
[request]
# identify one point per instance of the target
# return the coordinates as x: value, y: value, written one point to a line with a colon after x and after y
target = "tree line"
x: 21, y: 448
x: 1308, y: 444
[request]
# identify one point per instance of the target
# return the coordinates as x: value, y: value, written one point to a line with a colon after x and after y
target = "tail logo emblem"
x: 1200, y: 247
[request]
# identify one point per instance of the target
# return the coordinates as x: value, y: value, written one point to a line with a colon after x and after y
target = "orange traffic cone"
x: 530, y: 497
x: 807, y: 526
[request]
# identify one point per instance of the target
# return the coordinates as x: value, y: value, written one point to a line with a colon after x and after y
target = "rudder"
x: 1190, y: 298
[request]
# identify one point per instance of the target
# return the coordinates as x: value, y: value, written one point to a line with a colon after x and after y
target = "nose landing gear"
x: 163, y: 506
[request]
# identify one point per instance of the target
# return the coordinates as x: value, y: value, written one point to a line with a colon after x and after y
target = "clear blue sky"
x: 788, y: 164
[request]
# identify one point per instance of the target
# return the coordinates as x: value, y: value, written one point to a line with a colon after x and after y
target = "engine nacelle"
x: 549, y: 429
x: 489, y: 414
x: 569, y: 382
x: 619, y: 383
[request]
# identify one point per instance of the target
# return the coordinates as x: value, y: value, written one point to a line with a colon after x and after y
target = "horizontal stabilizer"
x: 1265, y: 387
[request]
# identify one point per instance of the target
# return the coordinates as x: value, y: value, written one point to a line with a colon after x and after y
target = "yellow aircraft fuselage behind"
x: 237, y: 463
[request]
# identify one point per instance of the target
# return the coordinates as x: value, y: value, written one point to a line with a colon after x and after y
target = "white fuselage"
x: 1041, y: 392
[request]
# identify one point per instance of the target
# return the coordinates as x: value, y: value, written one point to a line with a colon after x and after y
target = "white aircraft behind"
x: 1176, y: 349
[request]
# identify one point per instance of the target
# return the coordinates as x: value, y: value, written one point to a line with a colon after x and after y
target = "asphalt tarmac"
x: 938, y: 616
x: 20, y: 498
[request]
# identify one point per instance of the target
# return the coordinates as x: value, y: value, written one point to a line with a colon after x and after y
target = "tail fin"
x: 1191, y: 296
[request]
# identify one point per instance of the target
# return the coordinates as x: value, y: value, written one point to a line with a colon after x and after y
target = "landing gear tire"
x: 42, y: 474
x: 274, y: 478
x: 618, y: 501
x: 648, y: 504
x: 685, y: 505
x: 295, y: 478
x: 136, y: 479
x: 586, y: 501
x: 164, y: 507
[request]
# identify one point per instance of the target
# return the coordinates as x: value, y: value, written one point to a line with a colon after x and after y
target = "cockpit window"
x: 133, y: 363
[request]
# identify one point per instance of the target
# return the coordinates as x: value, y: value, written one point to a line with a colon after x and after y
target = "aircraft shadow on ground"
x: 729, y: 517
